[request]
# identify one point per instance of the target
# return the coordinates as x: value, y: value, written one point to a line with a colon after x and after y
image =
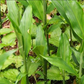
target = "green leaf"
x: 53, y: 27
x: 54, y: 74
x: 33, y: 31
x: 37, y: 8
x: 74, y: 35
x: 59, y: 62
x: 20, y: 76
x: 2, y: 45
x: 82, y: 80
x: 2, y: 2
x: 23, y: 81
x: 75, y: 19
x: 11, y: 74
x: 55, y: 20
x: 68, y: 10
x: 23, y: 2
x: 18, y: 61
x: 9, y: 39
x: 77, y: 37
x: 13, y: 16
x: 40, y: 38
x: 54, y: 37
x: 64, y: 50
x: 4, y: 56
x: 4, y: 81
x: 33, y: 67
x: 39, y: 50
x: 8, y: 62
x: 50, y: 8
x: 76, y: 55
x: 25, y: 28
x: 5, y: 31
x: 59, y: 4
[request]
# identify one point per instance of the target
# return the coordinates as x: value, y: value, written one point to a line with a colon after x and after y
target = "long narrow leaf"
x: 25, y: 28
x: 59, y: 62
x: 74, y: 13
x: 13, y: 13
x: 60, y: 7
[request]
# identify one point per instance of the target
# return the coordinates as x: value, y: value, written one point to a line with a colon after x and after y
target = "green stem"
x: 81, y: 62
x: 32, y: 43
x: 26, y: 68
x: 81, y: 58
x: 0, y: 18
x: 45, y: 9
x: 63, y: 77
x: 71, y: 43
x: 48, y: 47
x: 45, y: 71
x: 44, y: 21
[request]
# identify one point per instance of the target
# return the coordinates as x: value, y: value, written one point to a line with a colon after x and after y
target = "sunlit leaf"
x: 5, y: 31
x: 55, y: 73
x: 4, y: 81
x: 11, y: 74
x: 4, y: 56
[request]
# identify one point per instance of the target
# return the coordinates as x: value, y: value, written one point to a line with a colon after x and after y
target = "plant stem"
x: 44, y: 21
x: 26, y: 68
x: 45, y: 9
x: 0, y: 19
x: 81, y: 58
x: 63, y: 77
x: 71, y: 43
x: 81, y: 62
x: 48, y: 47
x: 45, y: 71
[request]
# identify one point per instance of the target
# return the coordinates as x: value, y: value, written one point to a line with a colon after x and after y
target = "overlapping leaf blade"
x: 4, y: 56
x: 23, y: 2
x: 64, y: 48
x: 73, y: 13
x: 25, y: 28
x: 13, y: 15
x: 59, y: 62
x: 41, y: 40
x: 59, y: 4
x: 37, y: 8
